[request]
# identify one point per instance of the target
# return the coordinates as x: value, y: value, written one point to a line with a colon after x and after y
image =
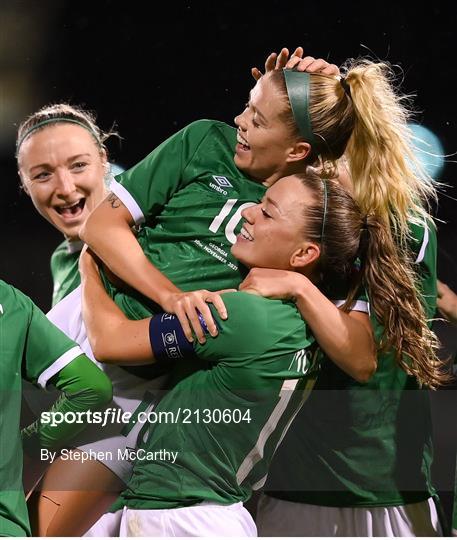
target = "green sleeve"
x: 154, y: 180
x: 255, y: 327
x: 46, y: 349
x: 423, y: 244
x: 84, y: 387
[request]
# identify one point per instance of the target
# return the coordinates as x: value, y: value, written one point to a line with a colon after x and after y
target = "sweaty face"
x: 62, y: 170
x: 263, y: 139
x: 273, y: 230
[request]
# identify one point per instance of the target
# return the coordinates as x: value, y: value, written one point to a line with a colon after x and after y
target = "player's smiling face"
x: 62, y: 169
x: 264, y: 141
x: 272, y: 235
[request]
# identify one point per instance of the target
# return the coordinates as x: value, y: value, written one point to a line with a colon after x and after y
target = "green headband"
x: 55, y: 121
x: 297, y: 85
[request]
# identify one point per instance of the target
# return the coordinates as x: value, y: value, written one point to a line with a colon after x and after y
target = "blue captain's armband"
x: 167, y: 338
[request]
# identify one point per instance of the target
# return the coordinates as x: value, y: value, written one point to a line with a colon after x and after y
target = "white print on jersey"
x: 233, y: 221
x: 222, y: 181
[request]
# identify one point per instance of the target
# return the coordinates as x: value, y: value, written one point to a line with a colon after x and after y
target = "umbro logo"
x: 222, y: 181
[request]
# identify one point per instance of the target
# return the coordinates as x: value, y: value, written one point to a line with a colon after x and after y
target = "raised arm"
x: 113, y: 337
x: 346, y: 338
x: 118, y: 247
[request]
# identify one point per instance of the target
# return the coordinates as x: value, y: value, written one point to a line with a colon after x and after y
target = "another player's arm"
x: 120, y: 251
x: 84, y: 388
x: 114, y: 338
x: 447, y: 302
x: 296, y: 61
x: 347, y: 338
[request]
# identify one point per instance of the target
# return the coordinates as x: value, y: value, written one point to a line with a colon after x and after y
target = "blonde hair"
x: 366, y: 118
x: 61, y: 113
x: 388, y: 179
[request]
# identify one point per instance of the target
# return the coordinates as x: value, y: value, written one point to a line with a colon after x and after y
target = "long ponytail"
x: 394, y: 300
x: 388, y: 180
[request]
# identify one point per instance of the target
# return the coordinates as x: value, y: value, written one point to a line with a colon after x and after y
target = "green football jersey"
x: 189, y: 195
x: 64, y: 269
x: 363, y: 444
x: 225, y: 422
x: 33, y: 348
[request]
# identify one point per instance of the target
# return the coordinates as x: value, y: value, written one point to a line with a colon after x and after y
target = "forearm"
x: 108, y: 233
x: 84, y: 388
x: 345, y: 337
x: 113, y: 337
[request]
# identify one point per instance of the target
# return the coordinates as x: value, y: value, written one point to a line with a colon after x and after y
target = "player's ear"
x: 298, y: 151
x: 304, y: 256
x: 23, y: 184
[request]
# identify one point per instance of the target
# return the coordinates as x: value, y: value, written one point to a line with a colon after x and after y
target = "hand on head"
x: 296, y: 61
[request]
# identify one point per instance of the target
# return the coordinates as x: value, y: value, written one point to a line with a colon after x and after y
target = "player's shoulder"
x: 64, y: 249
x: 12, y: 297
x: 258, y: 314
x: 204, y: 126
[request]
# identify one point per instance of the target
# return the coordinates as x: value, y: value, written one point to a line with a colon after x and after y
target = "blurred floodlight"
x: 428, y: 150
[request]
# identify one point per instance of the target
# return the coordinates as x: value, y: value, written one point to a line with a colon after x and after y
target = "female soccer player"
x: 33, y: 348
x: 359, y: 348
x: 260, y: 365
x: 194, y: 204
x: 325, y: 483
x: 193, y: 190
x: 357, y: 459
x: 373, y: 133
x: 63, y: 166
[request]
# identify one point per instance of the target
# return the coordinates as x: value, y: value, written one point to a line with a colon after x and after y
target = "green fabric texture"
x: 65, y: 271
x: 84, y: 387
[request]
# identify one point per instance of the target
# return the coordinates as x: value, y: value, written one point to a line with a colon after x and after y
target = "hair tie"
x: 346, y: 87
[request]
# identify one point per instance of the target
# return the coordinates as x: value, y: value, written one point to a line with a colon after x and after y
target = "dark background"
x: 151, y: 72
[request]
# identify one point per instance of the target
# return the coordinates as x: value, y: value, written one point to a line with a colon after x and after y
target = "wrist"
x: 301, y: 289
x: 166, y: 297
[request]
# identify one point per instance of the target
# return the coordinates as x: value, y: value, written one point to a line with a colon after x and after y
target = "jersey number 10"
x: 233, y: 221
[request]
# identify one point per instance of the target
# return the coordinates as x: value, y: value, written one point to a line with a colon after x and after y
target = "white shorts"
x: 276, y: 517
x: 206, y: 519
x: 130, y: 394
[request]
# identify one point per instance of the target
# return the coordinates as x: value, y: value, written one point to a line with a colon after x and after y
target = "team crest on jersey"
x: 222, y: 181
